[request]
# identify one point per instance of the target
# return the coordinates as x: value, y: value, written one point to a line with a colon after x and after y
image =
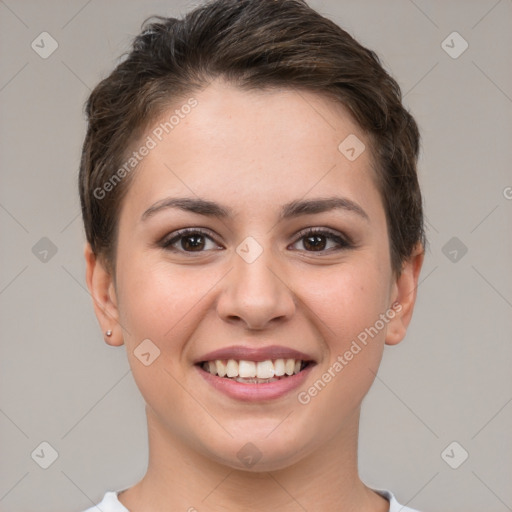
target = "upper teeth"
x: 248, y: 369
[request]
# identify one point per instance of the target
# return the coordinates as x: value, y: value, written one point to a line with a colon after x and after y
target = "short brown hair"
x: 253, y: 44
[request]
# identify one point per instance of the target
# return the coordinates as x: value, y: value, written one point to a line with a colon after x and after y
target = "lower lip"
x: 256, y: 392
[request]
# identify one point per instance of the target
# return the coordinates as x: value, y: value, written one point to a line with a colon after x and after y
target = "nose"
x: 256, y: 294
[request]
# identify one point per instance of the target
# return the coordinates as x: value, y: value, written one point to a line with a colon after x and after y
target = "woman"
x: 254, y: 238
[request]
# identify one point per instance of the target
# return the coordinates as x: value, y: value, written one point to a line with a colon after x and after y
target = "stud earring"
x: 108, y: 333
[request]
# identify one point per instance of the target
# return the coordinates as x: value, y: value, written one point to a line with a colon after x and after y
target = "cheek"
x: 354, y: 352
x: 349, y: 304
x: 346, y: 300
x: 157, y: 302
x: 162, y: 306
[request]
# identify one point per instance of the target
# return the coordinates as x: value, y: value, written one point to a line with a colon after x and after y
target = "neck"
x: 181, y: 478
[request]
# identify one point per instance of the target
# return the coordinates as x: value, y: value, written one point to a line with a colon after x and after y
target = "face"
x: 287, y: 257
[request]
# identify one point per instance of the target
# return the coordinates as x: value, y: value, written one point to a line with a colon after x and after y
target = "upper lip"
x: 239, y: 352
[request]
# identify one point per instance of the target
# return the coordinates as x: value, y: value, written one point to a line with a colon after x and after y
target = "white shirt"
x: 110, y: 503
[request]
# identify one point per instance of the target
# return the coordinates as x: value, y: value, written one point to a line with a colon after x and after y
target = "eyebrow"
x: 289, y: 210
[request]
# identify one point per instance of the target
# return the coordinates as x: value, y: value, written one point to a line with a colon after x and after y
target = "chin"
x: 259, y: 452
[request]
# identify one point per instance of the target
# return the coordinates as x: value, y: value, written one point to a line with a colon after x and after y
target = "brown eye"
x: 192, y: 242
x: 320, y: 240
x: 314, y: 242
x: 189, y: 240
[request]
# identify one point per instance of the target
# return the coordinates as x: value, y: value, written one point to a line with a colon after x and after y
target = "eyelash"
x: 343, y: 242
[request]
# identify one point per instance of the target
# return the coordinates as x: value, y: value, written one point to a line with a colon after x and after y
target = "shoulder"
x: 109, y: 503
x: 394, y: 506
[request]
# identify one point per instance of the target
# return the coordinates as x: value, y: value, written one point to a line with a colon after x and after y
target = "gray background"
x: 448, y: 381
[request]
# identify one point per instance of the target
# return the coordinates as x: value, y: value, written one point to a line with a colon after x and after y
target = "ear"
x: 403, y: 296
x: 101, y: 286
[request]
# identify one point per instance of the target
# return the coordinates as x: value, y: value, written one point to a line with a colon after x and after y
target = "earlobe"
x: 404, y: 296
x: 100, y: 283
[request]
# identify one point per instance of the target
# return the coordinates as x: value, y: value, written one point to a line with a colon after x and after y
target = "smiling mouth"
x: 255, y: 372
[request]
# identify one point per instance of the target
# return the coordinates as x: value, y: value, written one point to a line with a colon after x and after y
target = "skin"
x: 253, y: 151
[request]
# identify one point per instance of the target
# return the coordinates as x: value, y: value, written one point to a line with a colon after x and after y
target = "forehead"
x: 254, y: 149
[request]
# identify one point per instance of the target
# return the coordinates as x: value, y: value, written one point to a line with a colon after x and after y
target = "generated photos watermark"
x: 157, y: 135
x: 357, y: 345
